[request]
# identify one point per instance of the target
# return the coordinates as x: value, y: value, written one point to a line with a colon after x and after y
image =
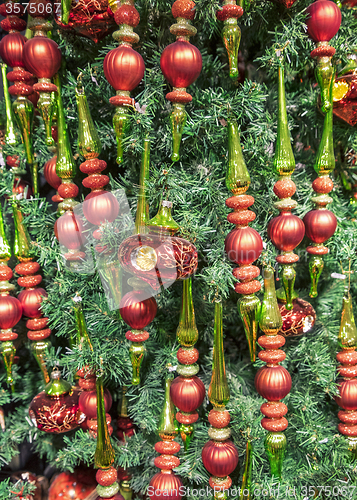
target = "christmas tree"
x: 233, y: 125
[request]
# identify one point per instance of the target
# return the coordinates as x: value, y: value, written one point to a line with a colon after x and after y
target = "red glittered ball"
x: 42, y: 57
x: 243, y: 245
x: 49, y: 172
x: 320, y: 225
x: 31, y: 301
x: 127, y: 14
x: 181, y: 64
x: 348, y: 394
x: 88, y: 402
x: 165, y: 485
x: 100, y: 206
x: 69, y: 231
x: 11, y: 49
x: 286, y: 231
x: 137, y: 310
x: 273, y: 382
x: 220, y: 458
x: 323, y: 20
x: 187, y: 393
x: 10, y: 311
x: 124, y: 68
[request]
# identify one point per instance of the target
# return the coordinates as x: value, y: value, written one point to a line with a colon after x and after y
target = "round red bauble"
x: 124, y: 68
x: 31, y: 300
x: 100, y: 206
x: 181, y: 64
x: 137, y: 310
x: 88, y: 402
x: 273, y: 382
x: 49, y: 172
x: 72, y: 486
x: 165, y: 485
x: 42, y: 57
x: 187, y: 393
x: 69, y: 231
x: 323, y: 21
x: 11, y: 49
x: 220, y: 458
x: 299, y: 320
x: 320, y: 225
x: 348, y: 394
x: 286, y: 231
x: 243, y: 245
x: 10, y: 311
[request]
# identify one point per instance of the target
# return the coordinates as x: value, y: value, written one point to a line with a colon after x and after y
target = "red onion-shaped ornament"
x: 243, y: 245
x: 286, y: 231
x: 11, y: 50
x: 69, y: 231
x: 220, y: 458
x: 187, y: 393
x: 42, y: 57
x: 124, y: 68
x: 273, y: 382
x: 49, y: 172
x: 10, y: 311
x: 320, y: 225
x: 323, y: 21
x: 181, y: 63
x: 100, y: 206
x: 31, y: 300
x: 88, y: 402
x: 348, y: 395
x: 165, y: 485
x: 137, y: 310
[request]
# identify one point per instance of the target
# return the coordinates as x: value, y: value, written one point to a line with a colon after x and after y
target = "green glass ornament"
x: 142, y: 211
x: 89, y: 144
x: 231, y: 35
x: 270, y: 321
x: 316, y: 265
x: 249, y: 310
x: 237, y: 176
x: 83, y: 338
x: 166, y: 428
x: 289, y: 275
x: 5, y: 250
x: 347, y: 336
x: 163, y: 221
x: 125, y: 490
x: 137, y: 351
x: 284, y: 161
x: 22, y: 245
x: 325, y: 76
x: 65, y: 11
x: 177, y: 120
x: 325, y: 158
x: 275, y: 446
x: 8, y: 351
x: 10, y: 131
x: 352, y: 447
x: 187, y: 333
x: 57, y: 386
x: 218, y: 391
x: 245, y: 491
x: 104, y: 453
x: 121, y: 122
x: 39, y: 349
x: 46, y: 109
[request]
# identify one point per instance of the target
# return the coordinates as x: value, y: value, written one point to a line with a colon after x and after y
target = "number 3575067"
x: 41, y: 8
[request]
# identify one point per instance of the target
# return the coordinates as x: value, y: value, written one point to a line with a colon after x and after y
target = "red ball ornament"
x: 348, y: 394
x: 220, y: 458
x: 42, y: 57
x: 299, y: 320
x: 243, y: 245
x: 273, y: 382
x: 49, y: 172
x: 11, y: 50
x: 320, y: 225
x: 88, y: 403
x: 10, y: 311
x: 323, y: 21
x: 124, y: 68
x: 100, y: 206
x: 286, y: 231
x: 181, y: 63
x: 72, y: 486
x: 69, y: 231
x: 165, y: 485
x: 137, y: 310
x: 31, y: 300
x: 187, y: 393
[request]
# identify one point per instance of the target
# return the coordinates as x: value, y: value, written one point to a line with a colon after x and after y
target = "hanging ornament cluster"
x: 219, y: 455
x: 165, y: 483
x: 323, y: 23
x: 124, y: 69
x: 231, y: 33
x: 243, y: 244
x: 344, y: 92
x: 181, y: 64
x: 273, y: 382
x: 32, y: 296
x: 187, y: 390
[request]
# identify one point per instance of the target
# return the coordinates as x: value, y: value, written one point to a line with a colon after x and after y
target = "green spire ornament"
x: 10, y: 131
